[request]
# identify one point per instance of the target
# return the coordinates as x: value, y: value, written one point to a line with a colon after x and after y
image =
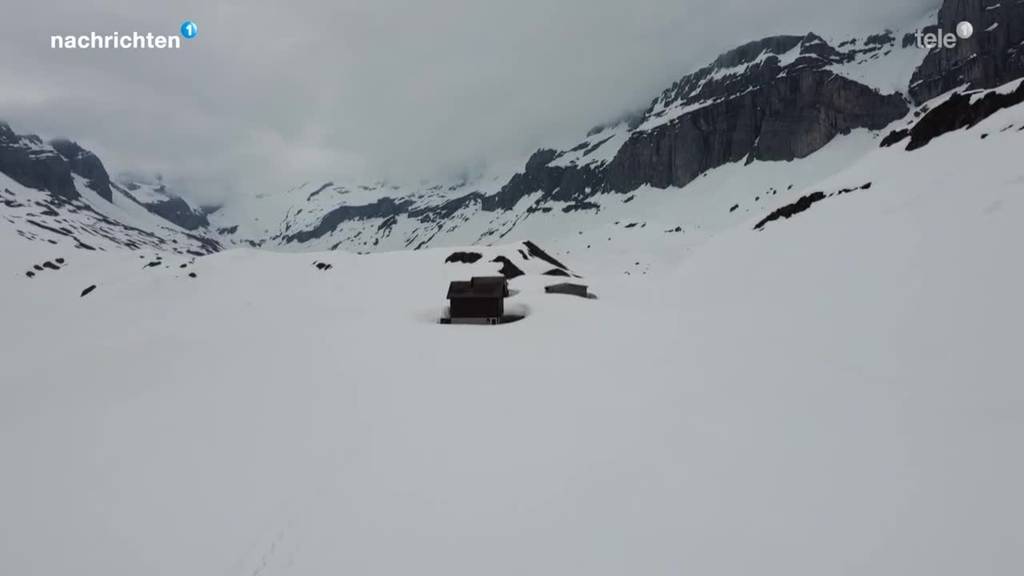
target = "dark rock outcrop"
x: 789, y: 117
x: 958, y: 111
x: 802, y: 204
x: 536, y: 251
x: 87, y: 165
x: 171, y: 207
x: 383, y: 208
x: 52, y: 166
x: 556, y: 183
x: 177, y: 211
x: 463, y: 258
x: 508, y: 269
x: 993, y: 56
x: 31, y: 163
x: 317, y: 192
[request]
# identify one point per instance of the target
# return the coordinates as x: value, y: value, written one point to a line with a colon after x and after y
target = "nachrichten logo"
x: 128, y: 41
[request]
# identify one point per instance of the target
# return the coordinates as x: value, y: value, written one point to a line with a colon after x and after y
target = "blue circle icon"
x: 189, y: 29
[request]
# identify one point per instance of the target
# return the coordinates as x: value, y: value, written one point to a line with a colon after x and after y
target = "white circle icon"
x: 964, y: 30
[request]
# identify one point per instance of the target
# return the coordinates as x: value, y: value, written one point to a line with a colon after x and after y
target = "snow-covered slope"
x: 50, y: 192
x: 154, y: 196
x: 802, y: 357
x: 89, y: 222
x: 834, y: 393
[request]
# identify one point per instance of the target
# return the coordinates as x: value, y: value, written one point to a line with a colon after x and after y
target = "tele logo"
x: 940, y: 39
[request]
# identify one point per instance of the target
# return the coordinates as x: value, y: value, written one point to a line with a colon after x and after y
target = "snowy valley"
x: 802, y: 356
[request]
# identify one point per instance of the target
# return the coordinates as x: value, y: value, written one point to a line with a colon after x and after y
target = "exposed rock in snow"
x: 463, y: 257
x: 955, y: 112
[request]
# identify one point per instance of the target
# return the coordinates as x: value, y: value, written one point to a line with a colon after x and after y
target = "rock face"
x: 178, y: 211
x: 777, y: 99
x: 30, y: 162
x: 773, y: 99
x: 956, y: 112
x: 555, y: 183
x: 154, y: 196
x: 52, y: 208
x: 993, y: 56
x: 790, y: 117
x: 51, y: 166
x: 382, y: 208
x: 33, y: 163
x: 87, y: 165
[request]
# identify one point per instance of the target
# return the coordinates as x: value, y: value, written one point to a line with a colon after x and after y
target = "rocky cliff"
x: 776, y: 99
x: 52, y: 167
x: 87, y: 165
x: 991, y: 57
x: 32, y: 163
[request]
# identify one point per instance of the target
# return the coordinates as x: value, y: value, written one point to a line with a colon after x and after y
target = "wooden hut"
x: 478, y: 301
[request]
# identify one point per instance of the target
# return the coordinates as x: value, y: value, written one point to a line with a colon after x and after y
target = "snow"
x: 607, y: 142
x: 679, y: 109
x: 890, y: 69
x: 270, y: 216
x: 122, y: 209
x: 147, y: 193
x: 90, y: 219
x: 886, y: 74
x: 701, y: 210
x: 836, y: 394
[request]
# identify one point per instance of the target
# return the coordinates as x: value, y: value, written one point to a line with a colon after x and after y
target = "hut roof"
x: 479, y: 287
x: 567, y: 288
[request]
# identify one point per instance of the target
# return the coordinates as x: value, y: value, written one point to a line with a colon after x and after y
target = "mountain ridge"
x: 777, y: 99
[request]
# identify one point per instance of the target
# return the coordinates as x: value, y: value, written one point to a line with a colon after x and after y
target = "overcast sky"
x: 271, y: 94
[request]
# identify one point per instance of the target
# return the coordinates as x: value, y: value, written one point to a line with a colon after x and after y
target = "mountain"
x: 779, y: 101
x: 154, y: 196
x: 775, y: 100
x: 59, y: 192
